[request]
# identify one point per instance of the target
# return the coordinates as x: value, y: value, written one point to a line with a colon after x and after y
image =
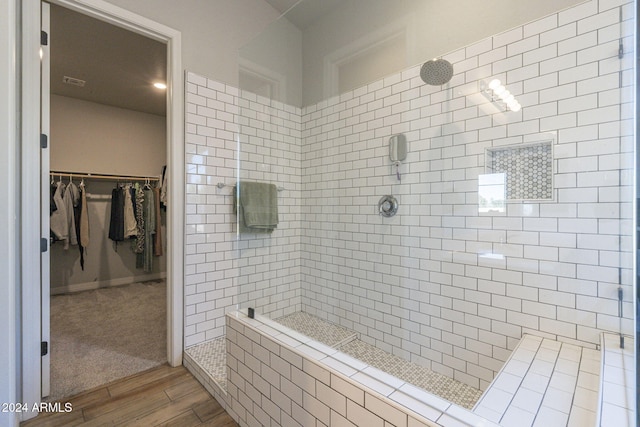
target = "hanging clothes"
x: 145, y: 259
x: 71, y: 198
x: 157, y: 238
x: 82, y: 223
x: 116, y: 224
x: 52, y: 202
x: 130, y: 224
x: 136, y: 211
x: 138, y: 246
x: 149, y: 228
x: 84, y: 217
x: 77, y: 210
x: 58, y: 219
x: 132, y: 191
x: 164, y: 187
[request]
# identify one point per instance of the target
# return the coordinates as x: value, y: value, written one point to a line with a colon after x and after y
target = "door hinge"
x: 44, y: 245
x: 44, y: 140
x: 44, y: 38
x: 44, y: 348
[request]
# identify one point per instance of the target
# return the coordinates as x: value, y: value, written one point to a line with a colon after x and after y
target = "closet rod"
x: 103, y: 176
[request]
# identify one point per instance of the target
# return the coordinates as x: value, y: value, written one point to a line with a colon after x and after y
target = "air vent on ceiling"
x: 73, y: 81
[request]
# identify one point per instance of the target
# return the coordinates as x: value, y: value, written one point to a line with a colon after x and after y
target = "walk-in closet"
x: 108, y: 186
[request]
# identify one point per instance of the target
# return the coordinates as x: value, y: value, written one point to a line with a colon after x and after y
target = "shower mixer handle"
x: 388, y: 206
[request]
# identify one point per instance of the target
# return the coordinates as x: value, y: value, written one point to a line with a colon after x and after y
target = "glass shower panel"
x: 269, y: 157
x: 510, y: 221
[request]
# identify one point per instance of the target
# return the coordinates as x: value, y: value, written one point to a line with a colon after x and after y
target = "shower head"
x: 436, y: 72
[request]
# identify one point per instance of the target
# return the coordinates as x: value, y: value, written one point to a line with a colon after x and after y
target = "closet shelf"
x: 103, y: 176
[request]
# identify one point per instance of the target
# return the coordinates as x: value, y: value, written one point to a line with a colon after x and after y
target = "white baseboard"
x: 88, y: 286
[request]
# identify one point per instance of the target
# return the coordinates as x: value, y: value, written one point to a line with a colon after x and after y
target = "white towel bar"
x: 222, y: 185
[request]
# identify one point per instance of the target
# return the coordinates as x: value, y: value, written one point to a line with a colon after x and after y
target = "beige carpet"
x: 102, y: 335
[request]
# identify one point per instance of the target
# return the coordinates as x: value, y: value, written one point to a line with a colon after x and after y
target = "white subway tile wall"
x: 439, y: 283
x: 227, y: 130
x: 427, y: 283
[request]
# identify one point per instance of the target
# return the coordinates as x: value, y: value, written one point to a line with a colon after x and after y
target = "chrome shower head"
x: 436, y: 72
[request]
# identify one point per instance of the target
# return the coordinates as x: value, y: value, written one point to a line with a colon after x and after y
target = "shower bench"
x: 275, y: 372
x: 551, y: 383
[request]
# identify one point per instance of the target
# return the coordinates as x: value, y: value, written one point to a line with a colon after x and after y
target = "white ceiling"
x: 281, y: 5
x: 305, y: 12
x: 119, y: 66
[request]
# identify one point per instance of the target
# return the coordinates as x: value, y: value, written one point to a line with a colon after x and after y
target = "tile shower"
x: 442, y: 283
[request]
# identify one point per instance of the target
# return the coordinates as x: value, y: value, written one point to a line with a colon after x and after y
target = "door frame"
x: 45, y: 221
x: 9, y: 218
x: 30, y: 177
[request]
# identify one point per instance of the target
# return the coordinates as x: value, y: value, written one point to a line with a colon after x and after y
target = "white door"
x: 44, y: 199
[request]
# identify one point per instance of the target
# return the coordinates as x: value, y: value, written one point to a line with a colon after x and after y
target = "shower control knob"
x: 387, y: 206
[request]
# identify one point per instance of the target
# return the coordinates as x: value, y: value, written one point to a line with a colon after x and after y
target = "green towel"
x: 257, y: 208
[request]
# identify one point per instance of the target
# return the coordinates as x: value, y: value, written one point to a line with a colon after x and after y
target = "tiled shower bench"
x: 284, y: 377
x: 549, y: 383
x: 280, y: 377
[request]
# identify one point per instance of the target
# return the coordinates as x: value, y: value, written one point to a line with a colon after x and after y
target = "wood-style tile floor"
x: 162, y: 396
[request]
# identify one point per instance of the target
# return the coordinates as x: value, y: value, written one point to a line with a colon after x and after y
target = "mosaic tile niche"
x: 528, y: 170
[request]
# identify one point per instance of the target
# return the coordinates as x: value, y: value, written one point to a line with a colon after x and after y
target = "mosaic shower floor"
x: 211, y: 357
x: 317, y: 329
x: 346, y: 341
x: 454, y: 391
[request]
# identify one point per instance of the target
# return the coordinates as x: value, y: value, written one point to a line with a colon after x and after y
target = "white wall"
x: 276, y: 54
x: 8, y: 212
x: 431, y: 28
x: 368, y: 39
x: 212, y: 30
x: 99, y: 139
x: 96, y: 138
